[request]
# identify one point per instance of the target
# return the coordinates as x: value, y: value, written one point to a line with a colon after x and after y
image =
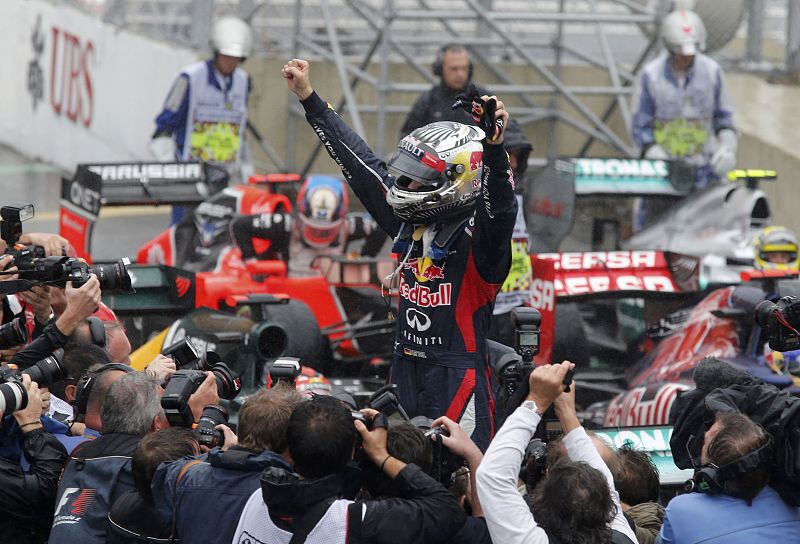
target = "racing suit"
x: 683, y: 117
x: 448, y: 279
x: 437, y: 105
x: 206, y: 115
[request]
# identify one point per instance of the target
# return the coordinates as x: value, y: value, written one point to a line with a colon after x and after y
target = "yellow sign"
x: 519, y: 277
x: 217, y: 142
x: 681, y: 137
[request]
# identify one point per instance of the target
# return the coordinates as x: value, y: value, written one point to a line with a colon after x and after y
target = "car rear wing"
x: 580, y: 276
x: 130, y: 184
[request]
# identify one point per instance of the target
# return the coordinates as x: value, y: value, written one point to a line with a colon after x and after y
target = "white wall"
x: 101, y: 87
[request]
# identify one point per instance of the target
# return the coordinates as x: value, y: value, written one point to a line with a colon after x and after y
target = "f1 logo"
x: 417, y: 320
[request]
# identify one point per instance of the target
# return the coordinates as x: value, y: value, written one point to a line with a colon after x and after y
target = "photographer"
x: 734, y: 501
x: 322, y: 438
x: 27, y: 498
x: 133, y: 517
x: 102, y: 467
x: 576, y: 502
x: 191, y: 492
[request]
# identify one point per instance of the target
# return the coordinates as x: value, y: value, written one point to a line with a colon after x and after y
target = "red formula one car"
x: 335, y: 320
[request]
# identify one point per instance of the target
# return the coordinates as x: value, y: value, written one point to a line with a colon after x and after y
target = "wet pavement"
x: 119, y: 231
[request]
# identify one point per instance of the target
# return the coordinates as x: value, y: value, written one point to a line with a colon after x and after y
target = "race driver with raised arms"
x: 447, y: 196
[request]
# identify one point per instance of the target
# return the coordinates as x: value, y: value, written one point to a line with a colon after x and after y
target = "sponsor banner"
x: 80, y: 205
x: 654, y: 441
x: 585, y: 273
x: 632, y: 177
x: 646, y: 405
x: 82, y: 90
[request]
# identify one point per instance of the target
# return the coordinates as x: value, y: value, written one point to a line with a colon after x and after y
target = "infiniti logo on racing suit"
x: 417, y: 320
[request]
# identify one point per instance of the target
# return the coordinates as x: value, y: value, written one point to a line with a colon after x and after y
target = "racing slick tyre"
x: 303, y: 337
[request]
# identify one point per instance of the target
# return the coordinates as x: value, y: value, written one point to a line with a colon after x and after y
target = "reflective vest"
x: 255, y: 525
x: 216, y: 118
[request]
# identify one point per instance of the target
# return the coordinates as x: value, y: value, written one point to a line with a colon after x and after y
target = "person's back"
x: 206, y: 495
x: 718, y: 519
x: 100, y: 471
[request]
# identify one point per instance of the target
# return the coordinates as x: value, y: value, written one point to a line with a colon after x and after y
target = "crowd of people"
x: 95, y: 451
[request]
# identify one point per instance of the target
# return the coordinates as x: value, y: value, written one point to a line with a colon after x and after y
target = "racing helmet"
x: 683, y: 32
x: 231, y: 36
x: 322, y: 205
x: 310, y: 383
x: 776, y: 248
x: 445, y: 159
x: 212, y: 219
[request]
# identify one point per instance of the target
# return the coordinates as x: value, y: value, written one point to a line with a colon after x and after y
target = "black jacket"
x: 437, y: 105
x: 422, y: 510
x: 42, y: 346
x: 133, y: 520
x: 27, y: 499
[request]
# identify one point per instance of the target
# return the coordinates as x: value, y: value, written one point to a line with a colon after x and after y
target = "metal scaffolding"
x: 537, y: 35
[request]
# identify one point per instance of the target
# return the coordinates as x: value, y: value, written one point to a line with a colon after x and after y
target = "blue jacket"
x: 721, y: 519
x: 207, y: 494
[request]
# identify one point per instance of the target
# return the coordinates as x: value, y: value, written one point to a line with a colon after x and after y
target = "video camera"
x: 13, y: 396
x: 780, y: 321
x: 183, y: 383
x: 33, y: 268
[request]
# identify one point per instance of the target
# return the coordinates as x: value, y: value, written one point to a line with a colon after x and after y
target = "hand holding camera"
x: 28, y: 417
x: 547, y: 383
x: 82, y: 302
x: 162, y: 367
x: 373, y: 435
x: 456, y: 440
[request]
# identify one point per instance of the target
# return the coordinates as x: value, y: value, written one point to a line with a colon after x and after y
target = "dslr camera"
x: 33, y: 268
x: 13, y: 333
x: 183, y: 383
x: 780, y: 322
x: 13, y: 396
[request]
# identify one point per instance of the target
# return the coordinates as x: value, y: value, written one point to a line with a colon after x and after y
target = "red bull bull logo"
x: 424, y: 269
x: 424, y: 296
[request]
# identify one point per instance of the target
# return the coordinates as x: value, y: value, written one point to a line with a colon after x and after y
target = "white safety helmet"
x: 683, y: 32
x: 231, y: 36
x: 445, y: 159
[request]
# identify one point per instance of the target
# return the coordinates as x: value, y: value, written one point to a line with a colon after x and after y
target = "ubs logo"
x: 417, y: 320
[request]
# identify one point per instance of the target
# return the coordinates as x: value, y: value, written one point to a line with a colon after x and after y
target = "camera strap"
x: 304, y: 524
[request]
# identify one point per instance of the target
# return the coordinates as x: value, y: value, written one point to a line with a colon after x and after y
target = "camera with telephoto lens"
x: 182, y: 385
x: 284, y: 369
x: 13, y: 396
x: 187, y: 357
x: 206, y: 433
x: 13, y: 333
x: 33, y: 268
x: 780, y: 322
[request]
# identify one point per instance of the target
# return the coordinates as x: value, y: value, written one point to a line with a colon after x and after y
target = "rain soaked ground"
x: 118, y: 233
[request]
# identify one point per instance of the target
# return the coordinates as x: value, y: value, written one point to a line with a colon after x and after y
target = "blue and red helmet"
x: 322, y: 205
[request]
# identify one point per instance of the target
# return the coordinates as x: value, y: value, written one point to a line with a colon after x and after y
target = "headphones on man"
x: 97, y: 331
x: 711, y: 479
x: 438, y: 65
x: 84, y: 388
